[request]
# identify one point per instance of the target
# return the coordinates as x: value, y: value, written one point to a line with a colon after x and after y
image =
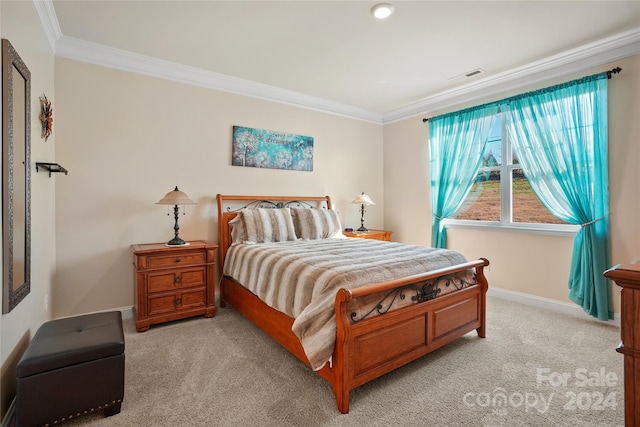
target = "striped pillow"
x: 316, y: 223
x: 267, y: 225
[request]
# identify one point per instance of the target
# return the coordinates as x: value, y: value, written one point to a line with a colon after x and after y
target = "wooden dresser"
x: 173, y: 282
x: 627, y: 276
x: 371, y: 234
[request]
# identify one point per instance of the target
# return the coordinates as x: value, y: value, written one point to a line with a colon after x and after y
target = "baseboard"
x: 127, y: 312
x: 548, y: 304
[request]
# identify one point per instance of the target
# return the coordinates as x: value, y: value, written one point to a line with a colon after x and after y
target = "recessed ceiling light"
x: 382, y: 10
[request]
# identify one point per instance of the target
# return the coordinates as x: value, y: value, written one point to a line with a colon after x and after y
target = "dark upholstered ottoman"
x: 72, y: 367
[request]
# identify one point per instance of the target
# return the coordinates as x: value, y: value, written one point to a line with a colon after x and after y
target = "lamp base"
x: 363, y: 228
x: 176, y: 241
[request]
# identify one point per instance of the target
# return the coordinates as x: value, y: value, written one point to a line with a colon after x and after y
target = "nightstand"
x: 173, y: 282
x: 627, y: 276
x: 371, y: 234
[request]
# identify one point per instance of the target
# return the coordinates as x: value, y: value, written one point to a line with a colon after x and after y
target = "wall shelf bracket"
x: 51, y: 167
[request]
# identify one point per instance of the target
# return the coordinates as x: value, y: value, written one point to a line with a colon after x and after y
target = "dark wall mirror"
x: 16, y: 178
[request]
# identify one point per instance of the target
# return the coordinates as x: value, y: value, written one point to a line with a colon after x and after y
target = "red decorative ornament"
x: 46, y: 117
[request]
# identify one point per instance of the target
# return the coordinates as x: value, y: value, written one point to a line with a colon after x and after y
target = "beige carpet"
x: 535, y: 368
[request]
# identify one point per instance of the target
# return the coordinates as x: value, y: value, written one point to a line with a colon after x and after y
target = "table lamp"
x: 362, y: 200
x: 175, y: 198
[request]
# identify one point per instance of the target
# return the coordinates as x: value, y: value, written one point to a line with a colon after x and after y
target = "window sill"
x: 565, y: 230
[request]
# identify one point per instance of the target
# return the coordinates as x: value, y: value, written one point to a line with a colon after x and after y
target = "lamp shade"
x: 362, y: 199
x: 175, y: 197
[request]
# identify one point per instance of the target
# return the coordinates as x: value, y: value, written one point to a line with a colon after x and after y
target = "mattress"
x: 301, y: 278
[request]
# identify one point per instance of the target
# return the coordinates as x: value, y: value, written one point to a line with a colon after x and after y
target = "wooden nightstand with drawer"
x: 371, y: 234
x: 173, y: 282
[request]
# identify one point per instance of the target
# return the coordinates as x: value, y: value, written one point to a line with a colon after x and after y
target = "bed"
x: 370, y: 322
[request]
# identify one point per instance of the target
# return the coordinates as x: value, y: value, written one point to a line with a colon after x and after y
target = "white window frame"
x: 506, y: 204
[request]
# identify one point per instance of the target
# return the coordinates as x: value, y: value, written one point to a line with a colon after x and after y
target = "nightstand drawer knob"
x: 177, y: 259
x: 178, y: 279
x: 178, y: 301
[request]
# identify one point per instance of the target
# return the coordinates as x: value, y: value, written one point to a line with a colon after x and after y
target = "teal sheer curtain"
x: 559, y: 135
x: 456, y: 143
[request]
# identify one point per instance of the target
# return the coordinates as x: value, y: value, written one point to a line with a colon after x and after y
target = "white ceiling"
x: 334, y: 56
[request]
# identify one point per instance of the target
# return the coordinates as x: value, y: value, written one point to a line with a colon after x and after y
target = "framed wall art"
x: 258, y: 148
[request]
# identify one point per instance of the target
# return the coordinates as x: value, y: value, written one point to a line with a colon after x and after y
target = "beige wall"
x: 21, y: 26
x: 127, y: 139
x: 531, y: 264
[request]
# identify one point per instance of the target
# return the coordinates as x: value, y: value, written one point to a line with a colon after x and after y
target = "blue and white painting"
x: 258, y: 148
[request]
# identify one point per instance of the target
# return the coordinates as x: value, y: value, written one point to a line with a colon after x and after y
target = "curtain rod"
x: 610, y: 73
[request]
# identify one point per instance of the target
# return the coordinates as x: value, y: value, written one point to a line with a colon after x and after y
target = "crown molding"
x: 93, y: 53
x: 584, y: 57
x: 49, y: 21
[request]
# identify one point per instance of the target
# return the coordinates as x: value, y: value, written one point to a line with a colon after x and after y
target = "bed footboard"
x: 371, y: 347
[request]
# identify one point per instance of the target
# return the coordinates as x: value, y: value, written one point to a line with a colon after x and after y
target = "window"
x: 560, y: 139
x: 501, y: 193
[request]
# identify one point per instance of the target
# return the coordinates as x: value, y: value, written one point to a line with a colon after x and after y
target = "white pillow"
x: 237, y: 230
x: 267, y: 225
x: 316, y: 223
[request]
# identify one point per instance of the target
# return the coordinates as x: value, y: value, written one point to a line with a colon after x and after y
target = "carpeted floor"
x: 535, y: 368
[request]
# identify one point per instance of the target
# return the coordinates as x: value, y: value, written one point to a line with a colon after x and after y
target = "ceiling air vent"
x: 473, y: 73
x: 467, y: 74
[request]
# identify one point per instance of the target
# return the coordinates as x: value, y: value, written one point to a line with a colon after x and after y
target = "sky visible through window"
x: 494, y: 144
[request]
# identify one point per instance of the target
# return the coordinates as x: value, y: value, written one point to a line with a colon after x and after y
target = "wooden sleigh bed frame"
x: 366, y: 349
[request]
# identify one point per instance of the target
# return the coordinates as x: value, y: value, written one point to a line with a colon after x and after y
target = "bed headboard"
x: 229, y: 206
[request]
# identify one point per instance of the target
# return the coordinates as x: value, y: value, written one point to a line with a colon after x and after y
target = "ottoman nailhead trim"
x: 85, y: 412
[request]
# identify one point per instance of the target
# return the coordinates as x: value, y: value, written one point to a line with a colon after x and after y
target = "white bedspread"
x: 301, y: 278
